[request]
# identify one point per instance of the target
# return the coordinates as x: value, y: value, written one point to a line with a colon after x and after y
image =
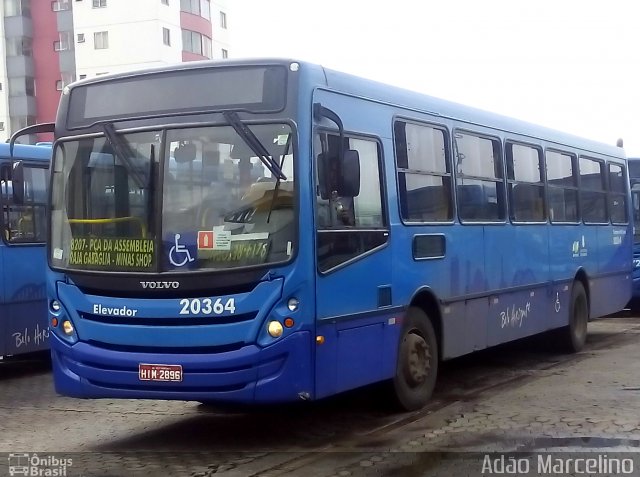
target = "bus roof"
x: 321, y: 77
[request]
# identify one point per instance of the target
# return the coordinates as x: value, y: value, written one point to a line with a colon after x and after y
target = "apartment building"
x: 48, y: 44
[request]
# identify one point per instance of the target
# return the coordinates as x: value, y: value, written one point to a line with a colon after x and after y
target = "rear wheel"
x: 417, y: 363
x: 574, y: 335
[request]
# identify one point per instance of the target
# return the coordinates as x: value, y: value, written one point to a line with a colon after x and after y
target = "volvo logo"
x: 160, y: 285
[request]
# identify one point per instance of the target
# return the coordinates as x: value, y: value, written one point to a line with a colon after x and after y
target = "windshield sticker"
x: 58, y: 253
x: 179, y: 254
x: 205, y: 240
x: 111, y: 252
x: 241, y: 252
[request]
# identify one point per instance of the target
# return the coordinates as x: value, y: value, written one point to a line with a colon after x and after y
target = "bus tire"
x: 417, y: 363
x: 574, y: 335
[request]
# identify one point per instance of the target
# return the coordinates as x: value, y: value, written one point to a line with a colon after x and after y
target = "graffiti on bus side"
x: 30, y: 337
x: 513, y: 316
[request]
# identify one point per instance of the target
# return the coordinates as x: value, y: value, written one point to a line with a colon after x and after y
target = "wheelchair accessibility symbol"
x: 179, y: 254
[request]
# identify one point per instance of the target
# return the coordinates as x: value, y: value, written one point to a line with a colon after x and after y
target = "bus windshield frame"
x: 187, y: 198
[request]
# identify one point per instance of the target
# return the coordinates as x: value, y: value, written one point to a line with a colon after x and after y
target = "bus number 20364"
x: 206, y: 306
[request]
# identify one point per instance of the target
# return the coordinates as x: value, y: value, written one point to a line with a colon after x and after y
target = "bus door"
x: 23, y: 310
x: 353, y: 265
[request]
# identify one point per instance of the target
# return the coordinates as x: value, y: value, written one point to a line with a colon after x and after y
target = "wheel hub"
x: 417, y: 359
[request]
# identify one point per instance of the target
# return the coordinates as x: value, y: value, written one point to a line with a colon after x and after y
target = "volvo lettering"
x: 165, y: 285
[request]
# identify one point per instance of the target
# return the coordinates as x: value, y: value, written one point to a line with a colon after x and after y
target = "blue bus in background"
x: 272, y: 230
x: 634, y: 179
x: 24, y: 324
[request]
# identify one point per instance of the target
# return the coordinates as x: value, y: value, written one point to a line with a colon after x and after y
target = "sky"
x: 572, y: 65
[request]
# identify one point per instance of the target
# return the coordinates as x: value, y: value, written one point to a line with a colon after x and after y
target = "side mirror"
x: 17, y: 182
x: 350, y: 180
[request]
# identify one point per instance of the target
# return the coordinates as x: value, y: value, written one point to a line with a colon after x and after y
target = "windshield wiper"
x: 277, y: 186
x: 254, y: 143
x: 124, y: 153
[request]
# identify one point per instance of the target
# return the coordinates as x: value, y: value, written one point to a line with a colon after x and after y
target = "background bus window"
x: 526, y: 183
x: 424, y: 173
x: 479, y: 178
x: 617, y: 194
x: 563, y: 187
x: 26, y: 222
x: 593, y: 194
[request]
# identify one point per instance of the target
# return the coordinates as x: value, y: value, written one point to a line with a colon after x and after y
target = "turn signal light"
x: 288, y: 322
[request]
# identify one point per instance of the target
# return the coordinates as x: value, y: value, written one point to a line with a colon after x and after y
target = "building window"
x: 82, y: 76
x: 80, y: 37
x: 63, y: 43
x: 21, y: 86
x: 60, y: 5
x: 197, y: 7
x: 190, y: 6
x: 19, y: 122
x: 223, y: 20
x: 205, y: 9
x: 166, y: 36
x: 18, y: 46
x: 207, y: 47
x: 99, y: 3
x: 1, y: 125
x: 194, y: 42
x: 15, y: 8
x: 101, y: 40
x: 225, y: 53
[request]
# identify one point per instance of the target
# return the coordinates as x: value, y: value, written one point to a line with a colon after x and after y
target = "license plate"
x: 160, y: 372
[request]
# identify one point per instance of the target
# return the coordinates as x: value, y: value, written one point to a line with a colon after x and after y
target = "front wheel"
x: 417, y: 364
x: 574, y: 336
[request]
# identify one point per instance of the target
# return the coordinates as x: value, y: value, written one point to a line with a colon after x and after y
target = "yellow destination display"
x: 112, y: 252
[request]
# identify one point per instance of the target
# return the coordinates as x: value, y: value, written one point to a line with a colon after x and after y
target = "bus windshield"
x: 173, y: 200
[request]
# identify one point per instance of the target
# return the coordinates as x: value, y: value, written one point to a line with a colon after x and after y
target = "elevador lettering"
x: 109, y: 311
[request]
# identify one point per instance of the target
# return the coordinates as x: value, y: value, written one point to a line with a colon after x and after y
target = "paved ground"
x: 523, y: 397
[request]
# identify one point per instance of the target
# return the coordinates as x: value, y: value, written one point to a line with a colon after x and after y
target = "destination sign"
x: 121, y: 253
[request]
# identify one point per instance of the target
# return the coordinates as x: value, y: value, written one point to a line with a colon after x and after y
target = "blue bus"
x: 634, y: 179
x: 24, y: 323
x: 272, y: 230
